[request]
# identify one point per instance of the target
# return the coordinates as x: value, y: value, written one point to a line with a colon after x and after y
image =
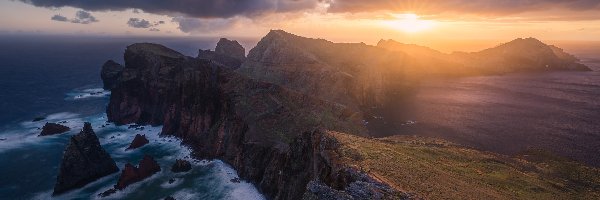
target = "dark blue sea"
x: 52, y: 77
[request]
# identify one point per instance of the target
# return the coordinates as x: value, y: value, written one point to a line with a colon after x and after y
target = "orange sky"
x: 446, y: 25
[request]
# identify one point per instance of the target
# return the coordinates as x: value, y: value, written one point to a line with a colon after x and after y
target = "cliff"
x: 266, y: 132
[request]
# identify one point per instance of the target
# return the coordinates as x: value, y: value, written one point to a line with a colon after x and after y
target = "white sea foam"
x: 216, y: 184
x: 87, y: 93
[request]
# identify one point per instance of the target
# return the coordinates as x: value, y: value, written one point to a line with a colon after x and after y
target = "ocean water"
x: 53, y: 77
x: 554, y: 111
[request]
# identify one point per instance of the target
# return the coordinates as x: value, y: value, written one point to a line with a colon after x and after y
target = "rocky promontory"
x: 274, y: 119
x: 53, y: 129
x: 84, y: 160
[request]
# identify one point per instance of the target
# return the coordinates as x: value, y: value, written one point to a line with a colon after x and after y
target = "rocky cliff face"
x: 84, y: 161
x: 111, y: 71
x: 266, y: 132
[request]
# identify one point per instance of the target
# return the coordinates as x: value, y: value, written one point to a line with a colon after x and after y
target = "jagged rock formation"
x: 111, y: 71
x: 53, y: 129
x: 231, y: 48
x: 84, y: 161
x: 131, y: 174
x: 261, y: 129
x: 228, y: 54
x: 181, y: 166
x: 355, y: 75
x: 138, y: 141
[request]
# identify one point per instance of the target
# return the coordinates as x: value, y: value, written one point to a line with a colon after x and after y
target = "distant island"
x: 291, y: 117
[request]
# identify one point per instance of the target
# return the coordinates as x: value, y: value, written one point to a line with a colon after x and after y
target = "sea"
x: 58, y: 78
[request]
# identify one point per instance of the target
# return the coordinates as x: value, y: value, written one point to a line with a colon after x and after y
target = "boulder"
x: 53, y: 129
x: 84, y: 160
x: 181, y: 166
x: 138, y: 141
x: 131, y: 174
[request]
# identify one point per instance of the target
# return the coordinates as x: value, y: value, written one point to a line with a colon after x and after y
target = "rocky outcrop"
x: 138, y: 141
x: 231, y: 48
x: 53, y: 129
x: 181, y: 166
x: 111, y: 71
x: 265, y: 131
x: 84, y: 161
x: 131, y: 174
x: 228, y: 54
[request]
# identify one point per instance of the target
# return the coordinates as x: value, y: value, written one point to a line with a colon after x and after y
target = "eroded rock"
x: 131, y: 174
x: 84, y: 160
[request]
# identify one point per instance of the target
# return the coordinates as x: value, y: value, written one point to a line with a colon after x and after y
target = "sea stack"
x: 84, y: 161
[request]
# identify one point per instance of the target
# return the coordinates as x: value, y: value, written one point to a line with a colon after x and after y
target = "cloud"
x: 189, y: 8
x: 154, y: 29
x: 196, y: 25
x: 139, y: 23
x: 481, y: 7
x: 59, y: 18
x: 81, y: 17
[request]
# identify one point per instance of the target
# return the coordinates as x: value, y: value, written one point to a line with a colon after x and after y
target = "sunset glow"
x: 409, y: 23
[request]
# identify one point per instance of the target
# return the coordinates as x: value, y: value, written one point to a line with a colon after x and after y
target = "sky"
x: 428, y: 22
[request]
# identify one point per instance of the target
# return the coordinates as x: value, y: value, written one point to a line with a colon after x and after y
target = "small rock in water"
x: 181, y: 166
x: 38, y: 119
x: 131, y: 174
x: 171, y: 181
x: 138, y: 141
x: 2, y: 139
x: 235, y: 180
x: 108, y: 192
x: 53, y: 129
x: 169, y: 198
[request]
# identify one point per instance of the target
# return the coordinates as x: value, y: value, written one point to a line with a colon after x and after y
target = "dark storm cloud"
x: 486, y: 7
x: 139, y: 23
x: 59, y: 18
x: 191, y: 8
x: 81, y: 17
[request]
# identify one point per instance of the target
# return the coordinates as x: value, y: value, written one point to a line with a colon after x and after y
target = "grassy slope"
x: 436, y: 169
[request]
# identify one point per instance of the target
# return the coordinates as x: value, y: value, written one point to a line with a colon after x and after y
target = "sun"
x: 409, y: 23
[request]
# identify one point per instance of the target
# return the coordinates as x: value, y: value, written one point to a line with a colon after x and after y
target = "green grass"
x: 436, y: 169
